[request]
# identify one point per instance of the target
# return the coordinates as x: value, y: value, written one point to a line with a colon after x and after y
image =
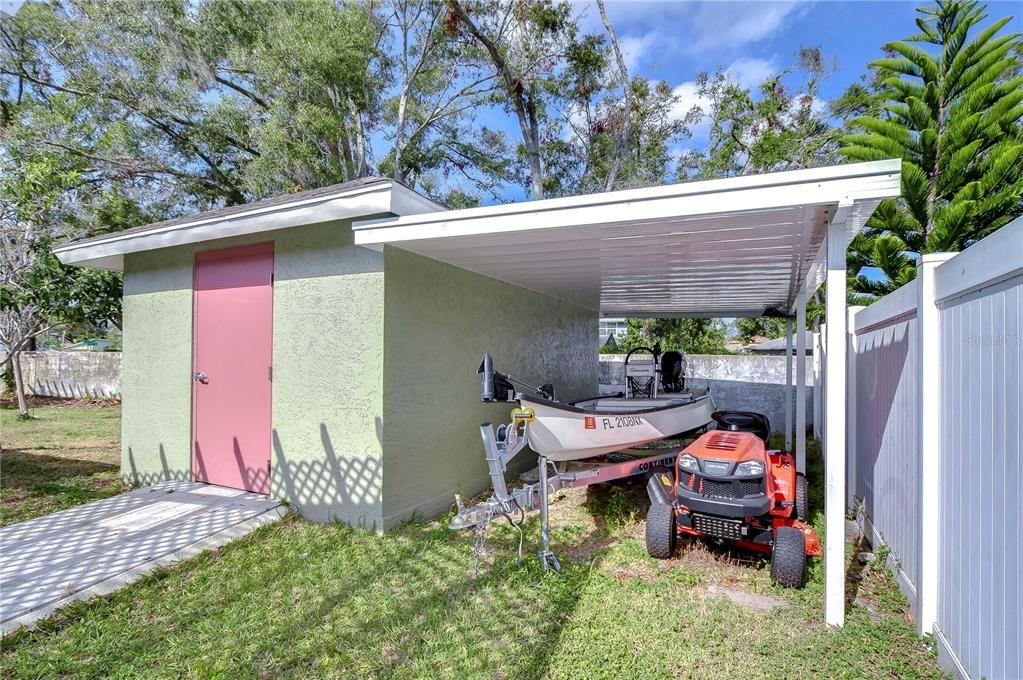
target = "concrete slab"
x: 94, y: 549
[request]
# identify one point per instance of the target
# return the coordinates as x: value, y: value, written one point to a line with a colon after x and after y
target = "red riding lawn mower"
x: 729, y: 488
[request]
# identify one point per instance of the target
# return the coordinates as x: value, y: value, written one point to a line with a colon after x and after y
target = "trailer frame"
x: 502, y: 443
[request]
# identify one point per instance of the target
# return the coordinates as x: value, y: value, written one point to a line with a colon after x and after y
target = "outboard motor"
x: 743, y: 421
x: 673, y: 371
x: 494, y: 386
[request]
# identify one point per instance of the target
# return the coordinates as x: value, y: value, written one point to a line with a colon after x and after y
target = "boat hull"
x: 597, y: 427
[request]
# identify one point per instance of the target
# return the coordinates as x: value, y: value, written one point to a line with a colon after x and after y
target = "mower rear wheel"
x: 788, y: 557
x: 660, y: 531
x: 802, y: 499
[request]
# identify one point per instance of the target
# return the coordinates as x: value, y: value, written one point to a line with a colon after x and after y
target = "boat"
x: 597, y: 426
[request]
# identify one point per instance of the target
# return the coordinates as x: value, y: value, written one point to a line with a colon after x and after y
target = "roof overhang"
x: 730, y: 247
x: 384, y: 197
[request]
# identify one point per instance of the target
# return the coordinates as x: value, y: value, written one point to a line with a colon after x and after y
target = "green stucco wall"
x: 156, y: 364
x: 438, y: 321
x: 327, y: 387
x: 376, y: 406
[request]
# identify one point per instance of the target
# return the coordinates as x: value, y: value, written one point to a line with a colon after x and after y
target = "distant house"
x: 90, y: 345
x: 608, y: 328
x: 777, y: 345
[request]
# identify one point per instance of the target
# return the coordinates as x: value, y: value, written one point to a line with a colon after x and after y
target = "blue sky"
x: 674, y: 41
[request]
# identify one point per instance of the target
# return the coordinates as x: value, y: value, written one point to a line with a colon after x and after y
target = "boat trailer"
x: 502, y: 443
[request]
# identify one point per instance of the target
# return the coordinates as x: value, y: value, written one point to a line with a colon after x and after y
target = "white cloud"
x: 733, y: 24
x: 636, y: 48
x: 658, y: 31
x: 818, y: 106
x: 747, y: 72
x: 688, y: 96
x: 750, y: 72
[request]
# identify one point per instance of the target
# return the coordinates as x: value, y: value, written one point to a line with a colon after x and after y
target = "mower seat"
x: 743, y: 421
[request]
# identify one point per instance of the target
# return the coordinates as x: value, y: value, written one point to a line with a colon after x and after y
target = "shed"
x: 263, y: 350
x: 372, y: 305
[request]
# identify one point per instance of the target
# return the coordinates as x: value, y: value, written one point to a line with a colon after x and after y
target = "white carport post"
x: 788, y: 384
x: 834, y: 433
x: 801, y: 381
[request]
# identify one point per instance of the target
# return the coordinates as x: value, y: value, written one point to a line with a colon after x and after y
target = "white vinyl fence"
x: 884, y: 473
x: 935, y: 454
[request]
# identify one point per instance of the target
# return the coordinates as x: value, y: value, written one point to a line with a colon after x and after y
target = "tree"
x: 953, y: 102
x: 37, y: 293
x: 694, y: 336
x: 437, y: 86
x: 762, y: 327
x: 124, y: 87
x: 305, y: 75
x: 523, y: 43
x: 781, y: 125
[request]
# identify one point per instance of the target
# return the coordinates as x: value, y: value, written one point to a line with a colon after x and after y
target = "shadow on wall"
x: 328, y: 487
x: 322, y: 488
x: 64, y: 388
x: 879, y: 368
x: 134, y: 477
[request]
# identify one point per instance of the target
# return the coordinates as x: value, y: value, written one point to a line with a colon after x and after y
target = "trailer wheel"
x: 788, y: 557
x: 802, y: 499
x: 660, y: 531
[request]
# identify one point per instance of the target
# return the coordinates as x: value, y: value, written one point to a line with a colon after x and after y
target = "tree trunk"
x: 19, y: 385
x: 625, y: 133
x: 522, y: 99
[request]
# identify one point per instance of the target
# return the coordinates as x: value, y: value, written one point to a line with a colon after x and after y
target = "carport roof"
x: 728, y: 247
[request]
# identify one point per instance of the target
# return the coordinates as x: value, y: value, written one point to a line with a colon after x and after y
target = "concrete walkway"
x: 94, y: 549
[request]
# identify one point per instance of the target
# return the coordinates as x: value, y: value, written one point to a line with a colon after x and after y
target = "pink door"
x: 231, y: 367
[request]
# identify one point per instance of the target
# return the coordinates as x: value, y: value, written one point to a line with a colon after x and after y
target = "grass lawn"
x: 64, y: 456
x: 298, y: 599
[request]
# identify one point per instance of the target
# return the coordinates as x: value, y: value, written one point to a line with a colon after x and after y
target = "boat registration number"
x: 620, y: 421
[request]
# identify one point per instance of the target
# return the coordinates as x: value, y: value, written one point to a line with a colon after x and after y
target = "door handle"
x: 199, y: 376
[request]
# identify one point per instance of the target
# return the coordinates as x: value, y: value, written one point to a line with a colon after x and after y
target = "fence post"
x: 788, y: 384
x: 835, y: 427
x: 930, y: 453
x: 801, y: 382
x: 818, y: 383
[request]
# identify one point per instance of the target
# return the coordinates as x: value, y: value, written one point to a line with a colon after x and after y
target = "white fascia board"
x: 375, y: 199
x: 832, y: 185
x: 856, y: 212
x: 657, y: 313
x: 405, y: 201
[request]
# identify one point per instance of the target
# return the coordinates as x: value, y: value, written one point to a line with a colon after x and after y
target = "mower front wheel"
x: 788, y: 557
x: 660, y: 531
x: 802, y: 499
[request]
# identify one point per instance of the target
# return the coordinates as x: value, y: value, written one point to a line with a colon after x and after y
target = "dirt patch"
x: 744, y: 598
x: 8, y: 401
x: 638, y: 570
